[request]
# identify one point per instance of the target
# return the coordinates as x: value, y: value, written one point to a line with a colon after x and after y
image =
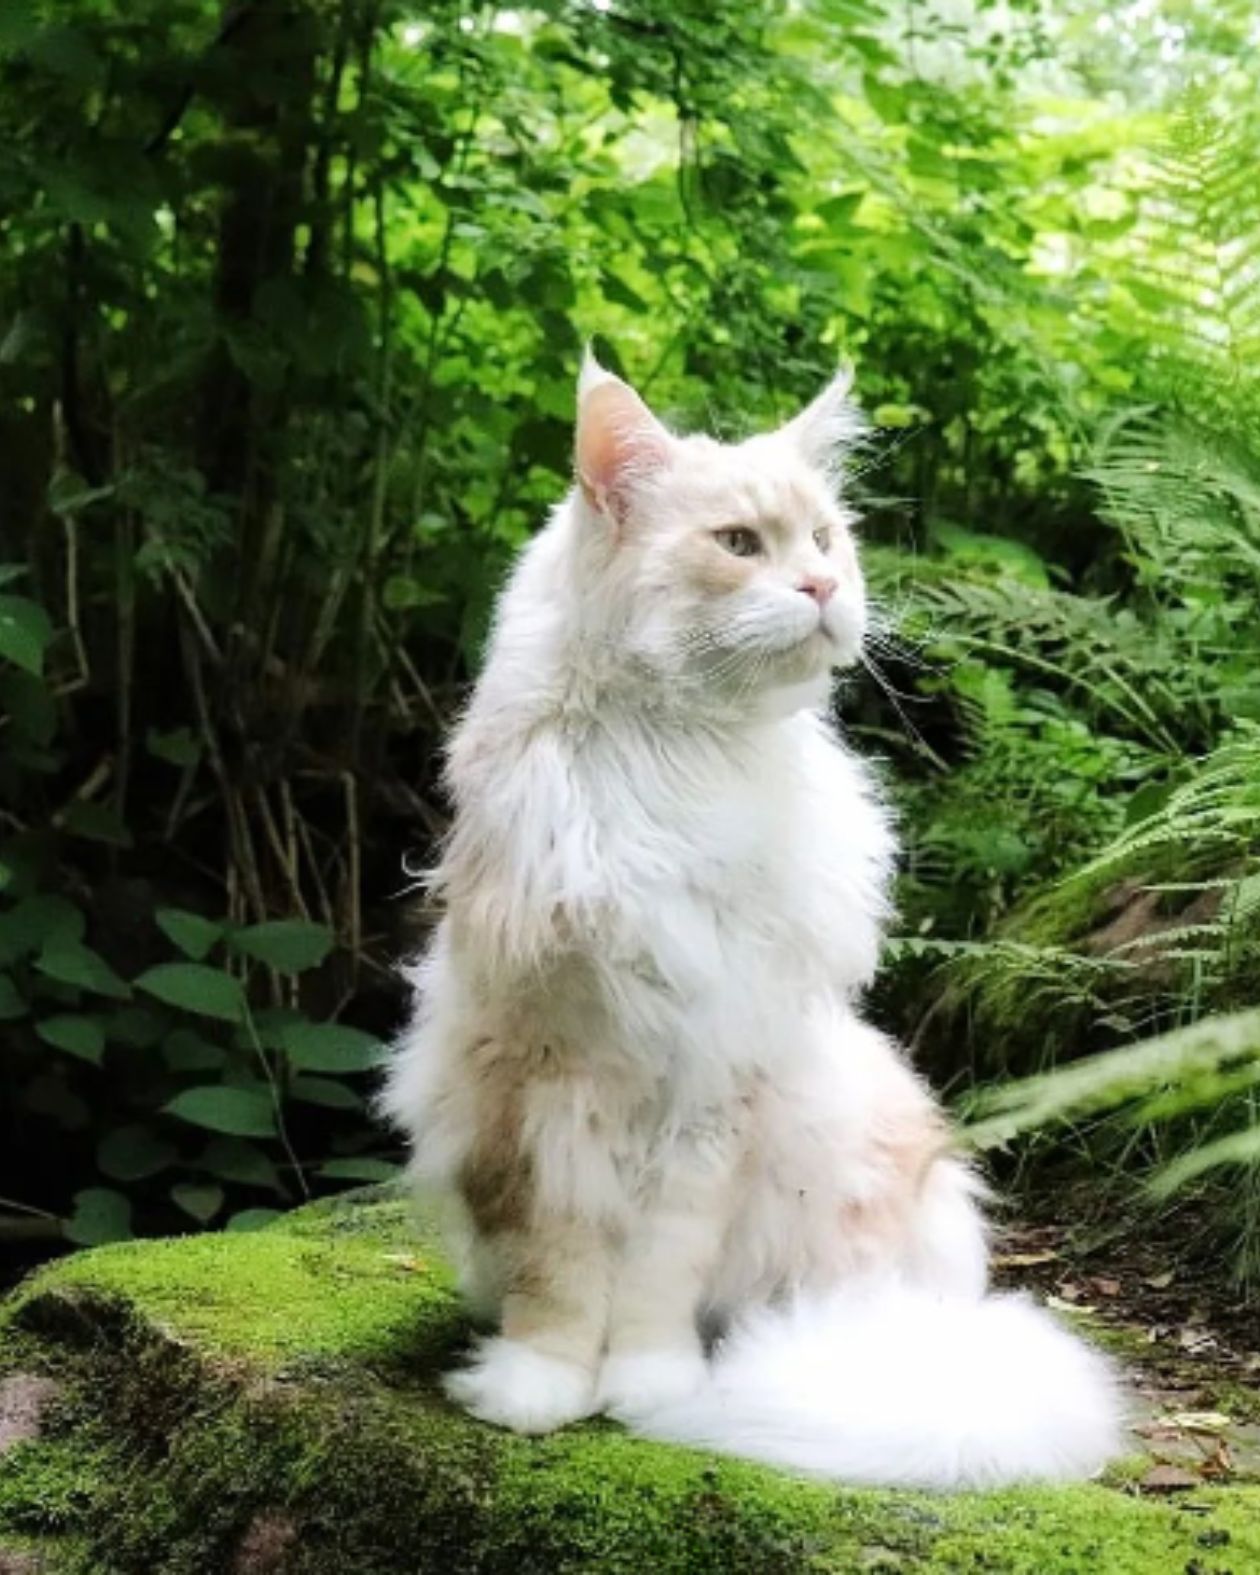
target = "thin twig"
x: 354, y: 927
x: 72, y: 600
x: 243, y: 862
x: 27, y: 1208
x: 277, y: 1101
x: 375, y: 536
x: 287, y: 867
x: 175, y: 815
x: 230, y: 26
x: 87, y: 790
x: 325, y: 906
x: 421, y: 688
x: 198, y: 621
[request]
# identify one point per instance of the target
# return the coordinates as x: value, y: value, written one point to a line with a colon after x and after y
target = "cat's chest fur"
x: 744, y: 874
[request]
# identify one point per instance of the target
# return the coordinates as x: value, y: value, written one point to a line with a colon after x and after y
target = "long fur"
x: 890, y: 1385
x: 636, y: 1066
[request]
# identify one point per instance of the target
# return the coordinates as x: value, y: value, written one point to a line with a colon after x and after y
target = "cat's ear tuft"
x: 619, y: 441
x: 828, y: 425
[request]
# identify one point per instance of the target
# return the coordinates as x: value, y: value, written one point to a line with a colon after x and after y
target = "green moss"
x: 47, y: 1486
x: 1234, y: 1399
x: 267, y: 1401
x: 341, y: 1283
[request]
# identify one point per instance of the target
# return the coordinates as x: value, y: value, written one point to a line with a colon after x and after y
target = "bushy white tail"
x: 904, y: 1387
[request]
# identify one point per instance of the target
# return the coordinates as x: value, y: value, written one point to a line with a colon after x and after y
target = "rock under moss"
x: 267, y: 1402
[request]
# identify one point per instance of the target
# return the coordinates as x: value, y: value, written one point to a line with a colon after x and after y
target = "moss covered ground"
x: 267, y: 1402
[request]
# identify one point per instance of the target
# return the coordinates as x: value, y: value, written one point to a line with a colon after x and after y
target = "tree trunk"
x: 267, y: 83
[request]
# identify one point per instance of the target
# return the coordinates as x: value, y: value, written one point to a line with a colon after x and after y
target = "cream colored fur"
x: 636, y: 1064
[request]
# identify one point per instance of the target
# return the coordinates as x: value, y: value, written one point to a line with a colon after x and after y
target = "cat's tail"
x: 904, y: 1387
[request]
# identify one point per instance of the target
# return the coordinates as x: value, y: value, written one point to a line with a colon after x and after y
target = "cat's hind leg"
x: 852, y: 1177
x: 945, y: 1246
x: 909, y: 1204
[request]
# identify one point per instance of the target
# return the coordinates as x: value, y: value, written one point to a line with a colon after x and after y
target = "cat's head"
x: 729, y: 564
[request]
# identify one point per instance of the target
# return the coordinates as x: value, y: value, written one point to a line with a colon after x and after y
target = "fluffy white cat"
x: 694, y: 1189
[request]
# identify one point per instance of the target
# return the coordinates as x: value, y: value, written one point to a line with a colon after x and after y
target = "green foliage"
x: 100, y: 1215
x: 1207, y: 1074
x: 25, y: 633
x: 1135, y: 907
x: 178, y: 1085
x: 243, y: 1112
x: 291, y: 301
x: 214, y: 1079
x: 290, y: 945
x: 209, y: 992
x: 1193, y: 1064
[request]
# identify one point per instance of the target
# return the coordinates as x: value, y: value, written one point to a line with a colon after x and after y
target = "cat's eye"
x: 739, y: 540
x: 822, y: 539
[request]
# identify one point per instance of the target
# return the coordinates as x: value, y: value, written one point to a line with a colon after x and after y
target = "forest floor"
x: 1188, y: 1341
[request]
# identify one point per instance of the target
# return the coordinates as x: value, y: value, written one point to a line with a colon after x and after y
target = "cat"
x: 692, y: 1188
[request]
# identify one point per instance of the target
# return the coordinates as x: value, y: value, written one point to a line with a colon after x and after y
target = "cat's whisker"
x: 894, y: 697
x: 895, y: 651
x: 887, y: 635
x: 872, y: 666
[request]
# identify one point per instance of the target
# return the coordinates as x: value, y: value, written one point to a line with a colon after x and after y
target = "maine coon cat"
x: 693, y: 1188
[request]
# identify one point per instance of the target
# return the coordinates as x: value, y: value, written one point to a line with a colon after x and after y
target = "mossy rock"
x: 267, y: 1402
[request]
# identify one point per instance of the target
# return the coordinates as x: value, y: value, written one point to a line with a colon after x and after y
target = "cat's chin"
x: 843, y: 653
x: 798, y: 679
x: 786, y: 699
x: 770, y: 681
x: 818, y: 656
x: 843, y: 633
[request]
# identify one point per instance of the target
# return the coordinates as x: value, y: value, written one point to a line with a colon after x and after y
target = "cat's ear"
x: 619, y: 441
x: 827, y: 425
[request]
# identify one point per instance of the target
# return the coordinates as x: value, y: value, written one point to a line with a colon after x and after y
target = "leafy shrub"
x: 291, y: 301
x: 174, y: 1086
x: 1133, y: 908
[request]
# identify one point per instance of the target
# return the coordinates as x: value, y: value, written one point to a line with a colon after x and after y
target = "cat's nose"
x: 820, y: 586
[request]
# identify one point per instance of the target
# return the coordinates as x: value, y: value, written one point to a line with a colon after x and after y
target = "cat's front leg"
x: 539, y: 1372
x: 655, y: 1354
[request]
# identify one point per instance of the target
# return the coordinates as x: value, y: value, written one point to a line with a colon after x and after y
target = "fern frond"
x: 1107, y: 1082
x: 1201, y: 312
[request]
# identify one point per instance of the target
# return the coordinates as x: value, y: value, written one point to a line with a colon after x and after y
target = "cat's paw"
x: 633, y: 1383
x: 511, y: 1385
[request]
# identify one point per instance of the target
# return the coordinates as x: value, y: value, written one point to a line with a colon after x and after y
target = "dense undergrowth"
x: 293, y: 295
